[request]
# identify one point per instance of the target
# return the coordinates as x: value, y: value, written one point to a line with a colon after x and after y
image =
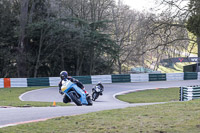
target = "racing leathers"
x: 78, y: 83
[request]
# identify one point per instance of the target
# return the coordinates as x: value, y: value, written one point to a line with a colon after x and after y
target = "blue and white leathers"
x: 68, y: 86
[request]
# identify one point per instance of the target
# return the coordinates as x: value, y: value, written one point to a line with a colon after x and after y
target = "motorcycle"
x: 75, y: 94
x: 97, y: 90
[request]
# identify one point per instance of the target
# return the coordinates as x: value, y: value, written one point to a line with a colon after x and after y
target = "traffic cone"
x: 54, y: 103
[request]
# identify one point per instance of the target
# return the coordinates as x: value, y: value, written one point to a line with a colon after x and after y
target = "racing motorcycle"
x: 75, y: 94
x: 97, y: 90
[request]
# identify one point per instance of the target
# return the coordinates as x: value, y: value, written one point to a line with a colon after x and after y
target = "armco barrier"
x: 1, y: 83
x: 190, y: 76
x: 38, y: 81
x: 18, y: 82
x: 54, y: 81
x: 198, y: 75
x: 101, y: 78
x: 157, y: 77
x: 121, y: 78
x: 83, y: 79
x: 174, y: 76
x: 140, y: 77
x: 189, y: 93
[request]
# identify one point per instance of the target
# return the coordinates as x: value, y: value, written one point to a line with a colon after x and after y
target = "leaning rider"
x: 64, y: 76
x: 101, y: 87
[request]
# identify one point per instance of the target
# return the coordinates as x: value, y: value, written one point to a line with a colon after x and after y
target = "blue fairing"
x: 70, y: 86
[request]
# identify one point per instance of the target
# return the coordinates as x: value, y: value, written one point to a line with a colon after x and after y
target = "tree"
x: 94, y: 42
x: 193, y: 24
x: 125, y: 22
x: 8, y: 39
x: 166, y: 32
x: 22, y: 44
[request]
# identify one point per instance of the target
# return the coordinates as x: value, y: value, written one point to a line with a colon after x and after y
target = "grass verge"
x: 10, y: 97
x: 149, y: 96
x: 173, y: 117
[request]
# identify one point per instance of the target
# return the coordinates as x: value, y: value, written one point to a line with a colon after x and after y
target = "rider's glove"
x: 61, y: 92
x: 73, y: 80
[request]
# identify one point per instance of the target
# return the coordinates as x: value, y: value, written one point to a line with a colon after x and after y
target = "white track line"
x: 20, y: 97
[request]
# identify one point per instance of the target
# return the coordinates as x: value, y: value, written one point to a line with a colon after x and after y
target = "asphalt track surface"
x: 13, y: 116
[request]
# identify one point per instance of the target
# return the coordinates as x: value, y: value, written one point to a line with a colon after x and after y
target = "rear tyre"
x: 89, y: 100
x: 75, y: 99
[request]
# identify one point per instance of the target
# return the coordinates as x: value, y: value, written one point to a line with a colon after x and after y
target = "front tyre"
x: 75, y: 99
x: 95, y: 95
x: 66, y: 99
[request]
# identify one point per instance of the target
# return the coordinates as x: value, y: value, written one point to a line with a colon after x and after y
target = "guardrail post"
x: 181, y: 94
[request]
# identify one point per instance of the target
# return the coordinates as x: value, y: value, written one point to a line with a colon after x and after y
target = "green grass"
x: 178, y: 67
x: 168, y: 70
x: 148, y: 96
x: 173, y: 117
x: 10, y: 97
x: 176, y: 117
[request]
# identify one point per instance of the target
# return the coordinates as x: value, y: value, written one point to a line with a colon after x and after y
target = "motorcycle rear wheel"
x: 89, y: 100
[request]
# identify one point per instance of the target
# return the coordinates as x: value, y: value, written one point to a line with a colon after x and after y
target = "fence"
x: 140, y: 77
x: 157, y: 77
x: 190, y: 76
x: 84, y: 79
x: 189, y: 93
x: 103, y: 78
x: 174, y: 77
x: 121, y: 78
x: 53, y: 81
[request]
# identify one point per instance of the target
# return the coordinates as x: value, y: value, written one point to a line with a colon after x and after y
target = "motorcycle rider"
x: 64, y: 76
x: 101, y: 87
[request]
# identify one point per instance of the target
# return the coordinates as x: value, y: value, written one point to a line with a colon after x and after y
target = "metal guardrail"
x: 189, y: 93
x: 157, y: 77
x: 190, y: 76
x: 121, y: 78
x: 93, y: 79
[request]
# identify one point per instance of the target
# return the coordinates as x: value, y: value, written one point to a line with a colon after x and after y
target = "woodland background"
x: 40, y: 38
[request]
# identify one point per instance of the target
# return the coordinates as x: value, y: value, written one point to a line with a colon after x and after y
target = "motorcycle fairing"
x: 68, y: 85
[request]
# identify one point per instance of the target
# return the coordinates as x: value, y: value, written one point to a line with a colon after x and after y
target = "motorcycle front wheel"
x: 66, y: 99
x: 75, y: 99
x: 95, y: 95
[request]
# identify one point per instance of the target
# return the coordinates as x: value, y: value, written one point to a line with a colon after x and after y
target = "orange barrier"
x: 6, y: 82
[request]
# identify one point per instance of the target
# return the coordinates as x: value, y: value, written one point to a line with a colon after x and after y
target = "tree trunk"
x: 91, y: 60
x: 31, y: 12
x: 38, y: 56
x: 198, y: 43
x: 62, y: 60
x: 21, y: 57
x: 119, y: 66
x: 79, y: 64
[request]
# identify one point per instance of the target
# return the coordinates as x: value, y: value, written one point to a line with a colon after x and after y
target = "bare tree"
x: 125, y: 25
x: 166, y: 31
